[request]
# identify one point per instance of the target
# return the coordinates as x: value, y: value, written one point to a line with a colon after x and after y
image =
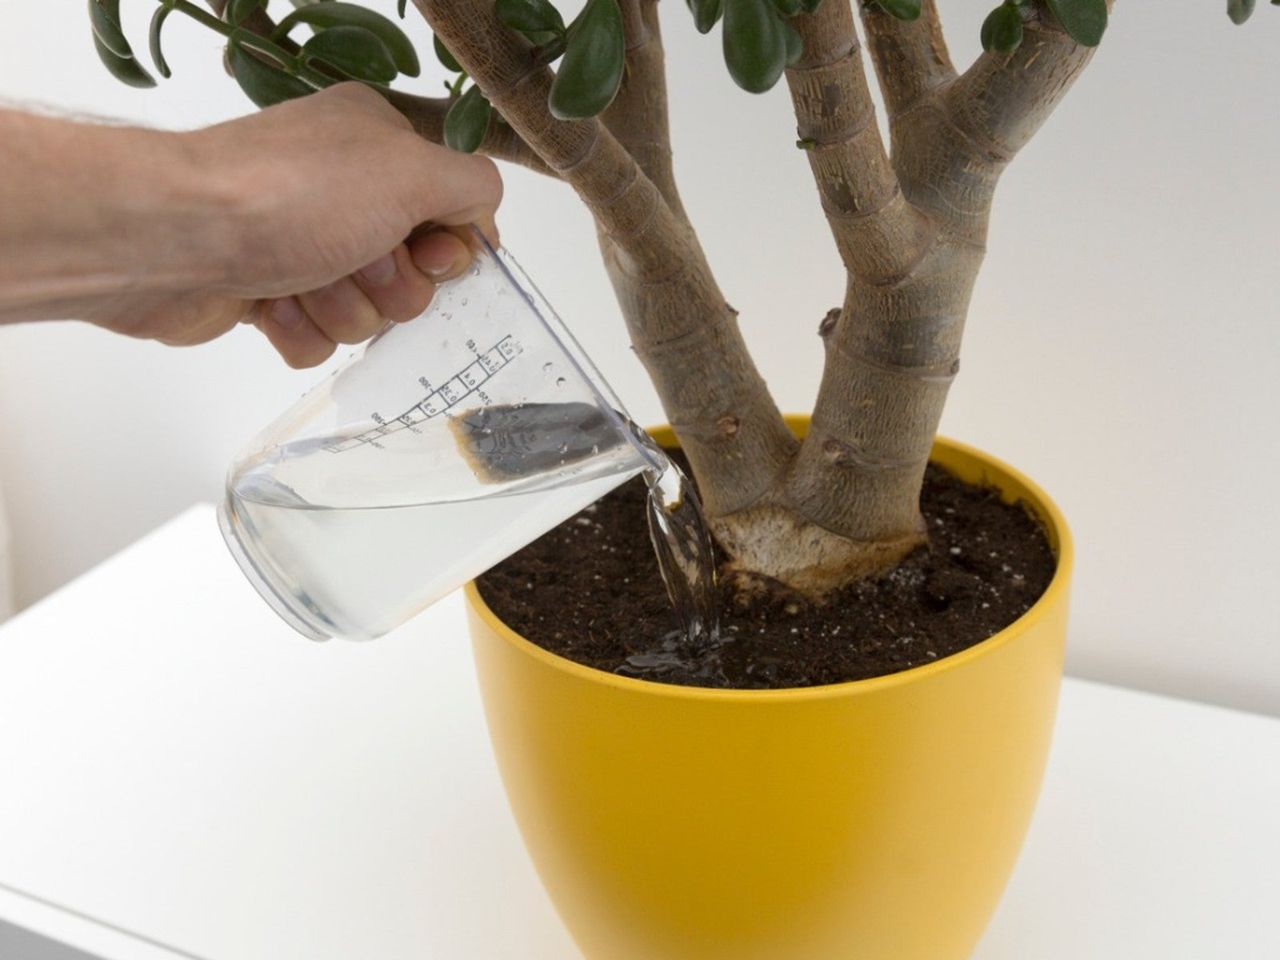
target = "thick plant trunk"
x: 850, y: 501
x: 681, y: 328
x: 908, y: 222
x: 912, y: 239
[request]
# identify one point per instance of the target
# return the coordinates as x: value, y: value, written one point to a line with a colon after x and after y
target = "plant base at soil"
x: 590, y: 591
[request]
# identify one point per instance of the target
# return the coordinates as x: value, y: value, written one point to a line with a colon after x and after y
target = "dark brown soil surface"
x: 590, y: 591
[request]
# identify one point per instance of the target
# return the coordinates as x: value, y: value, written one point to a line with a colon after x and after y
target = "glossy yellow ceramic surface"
x: 874, y: 820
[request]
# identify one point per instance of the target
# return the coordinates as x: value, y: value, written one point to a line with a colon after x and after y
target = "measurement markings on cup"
x: 452, y: 392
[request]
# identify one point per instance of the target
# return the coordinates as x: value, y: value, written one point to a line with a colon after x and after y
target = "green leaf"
x: 810, y: 5
x: 706, y: 13
x: 157, y: 55
x: 265, y: 83
x: 591, y: 70
x: 530, y: 16
x: 112, y: 46
x: 1084, y: 20
x: 902, y: 9
x: 355, y: 51
x: 1002, y: 30
x: 550, y: 50
x: 445, y: 57
x: 788, y: 8
x: 795, y: 45
x: 401, y: 6
x: 104, y: 15
x: 755, y: 47
x: 238, y: 11
x: 467, y: 121
x: 1241, y: 10
x: 125, y: 69
x: 335, y: 14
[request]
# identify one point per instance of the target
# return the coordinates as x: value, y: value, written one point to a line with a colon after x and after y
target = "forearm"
x: 91, y: 215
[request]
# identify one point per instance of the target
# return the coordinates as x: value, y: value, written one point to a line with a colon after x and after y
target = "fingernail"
x: 381, y: 272
x: 287, y: 312
x: 439, y: 260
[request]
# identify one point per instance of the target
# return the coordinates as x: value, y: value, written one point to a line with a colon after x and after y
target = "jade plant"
x: 584, y: 100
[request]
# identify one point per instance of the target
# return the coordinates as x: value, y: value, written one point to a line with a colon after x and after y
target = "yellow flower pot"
x: 874, y: 820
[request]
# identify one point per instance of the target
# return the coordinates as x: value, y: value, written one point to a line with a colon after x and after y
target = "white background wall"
x: 1123, y: 346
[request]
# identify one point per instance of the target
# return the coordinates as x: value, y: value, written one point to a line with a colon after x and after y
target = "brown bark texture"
x: 908, y: 219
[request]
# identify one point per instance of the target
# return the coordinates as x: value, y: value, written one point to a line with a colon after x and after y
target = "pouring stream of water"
x: 682, y: 544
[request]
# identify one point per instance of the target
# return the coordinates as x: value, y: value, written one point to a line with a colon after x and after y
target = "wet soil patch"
x: 590, y: 591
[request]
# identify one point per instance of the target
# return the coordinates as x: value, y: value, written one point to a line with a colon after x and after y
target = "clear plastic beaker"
x: 440, y: 448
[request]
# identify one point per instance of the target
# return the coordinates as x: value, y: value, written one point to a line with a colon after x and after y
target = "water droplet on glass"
x: 560, y: 381
x: 547, y: 366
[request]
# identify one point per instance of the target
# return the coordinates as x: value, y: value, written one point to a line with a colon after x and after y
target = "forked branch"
x: 1002, y: 100
x: 584, y: 153
x: 680, y: 326
x: 501, y: 142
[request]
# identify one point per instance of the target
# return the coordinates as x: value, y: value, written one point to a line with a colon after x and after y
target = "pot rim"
x: 1046, y: 510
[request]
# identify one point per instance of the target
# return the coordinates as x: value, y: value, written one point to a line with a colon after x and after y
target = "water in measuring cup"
x: 358, y: 569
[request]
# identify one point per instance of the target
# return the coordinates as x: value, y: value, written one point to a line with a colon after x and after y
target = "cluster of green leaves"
x: 347, y: 41
x: 758, y: 41
x: 351, y: 41
x: 591, y: 54
x: 591, y: 51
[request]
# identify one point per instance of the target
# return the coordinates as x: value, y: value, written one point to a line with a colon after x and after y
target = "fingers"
x: 294, y: 335
x: 342, y: 311
x: 306, y: 329
x: 397, y: 287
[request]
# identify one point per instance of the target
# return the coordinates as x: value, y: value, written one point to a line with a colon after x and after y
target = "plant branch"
x: 910, y: 56
x: 501, y: 142
x: 680, y: 326
x: 952, y: 147
x: 638, y: 114
x: 425, y: 114
x: 878, y: 234
x: 256, y: 41
x: 1002, y: 99
x: 581, y: 152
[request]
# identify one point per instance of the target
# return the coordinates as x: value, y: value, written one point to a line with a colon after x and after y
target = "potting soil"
x: 590, y: 591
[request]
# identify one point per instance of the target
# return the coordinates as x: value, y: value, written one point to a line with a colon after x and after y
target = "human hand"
x: 306, y: 219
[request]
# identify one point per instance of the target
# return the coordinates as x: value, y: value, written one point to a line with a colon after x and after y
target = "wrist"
x: 97, y: 215
x: 188, y: 213
x: 226, y: 203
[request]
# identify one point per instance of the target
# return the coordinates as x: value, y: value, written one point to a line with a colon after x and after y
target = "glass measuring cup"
x: 440, y: 448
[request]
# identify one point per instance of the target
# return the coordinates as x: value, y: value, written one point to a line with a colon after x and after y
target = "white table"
x: 181, y: 776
